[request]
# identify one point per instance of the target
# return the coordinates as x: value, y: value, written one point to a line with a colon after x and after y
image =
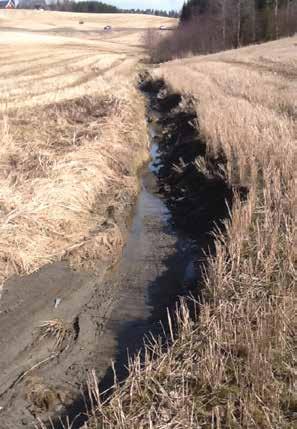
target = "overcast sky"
x: 148, y: 4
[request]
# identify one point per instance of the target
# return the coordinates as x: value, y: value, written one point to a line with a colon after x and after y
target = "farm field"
x: 57, y: 48
x: 66, y: 106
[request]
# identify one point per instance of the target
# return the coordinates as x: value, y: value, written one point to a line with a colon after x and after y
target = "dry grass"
x: 56, y: 329
x: 41, y: 395
x: 70, y: 119
x: 236, y: 368
x: 59, y: 180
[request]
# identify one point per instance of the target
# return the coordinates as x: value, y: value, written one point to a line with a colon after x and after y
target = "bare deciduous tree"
x: 225, y: 24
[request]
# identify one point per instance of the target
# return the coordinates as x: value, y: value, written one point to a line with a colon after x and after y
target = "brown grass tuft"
x: 56, y: 329
x: 42, y: 396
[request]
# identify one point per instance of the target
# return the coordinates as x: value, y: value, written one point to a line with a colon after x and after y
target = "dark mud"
x: 110, y: 315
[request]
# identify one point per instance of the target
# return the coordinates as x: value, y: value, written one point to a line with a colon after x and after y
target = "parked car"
x: 163, y: 27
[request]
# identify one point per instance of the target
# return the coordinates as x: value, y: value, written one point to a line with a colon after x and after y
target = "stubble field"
x: 70, y: 120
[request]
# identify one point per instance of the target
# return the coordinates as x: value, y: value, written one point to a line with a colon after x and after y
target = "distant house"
x: 7, y: 4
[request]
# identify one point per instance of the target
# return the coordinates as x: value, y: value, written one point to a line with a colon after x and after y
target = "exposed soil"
x: 106, y: 314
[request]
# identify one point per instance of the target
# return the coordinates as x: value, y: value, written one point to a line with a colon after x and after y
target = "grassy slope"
x: 236, y: 367
x: 69, y: 120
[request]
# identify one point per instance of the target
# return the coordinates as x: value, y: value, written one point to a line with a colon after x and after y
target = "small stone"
x: 57, y: 302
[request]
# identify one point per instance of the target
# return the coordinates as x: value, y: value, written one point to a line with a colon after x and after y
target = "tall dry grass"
x: 62, y: 172
x: 235, y: 366
x: 72, y: 138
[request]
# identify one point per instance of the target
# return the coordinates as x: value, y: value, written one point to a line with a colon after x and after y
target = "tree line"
x: 90, y: 6
x: 244, y: 21
x: 156, y: 12
x: 208, y: 26
x: 69, y: 6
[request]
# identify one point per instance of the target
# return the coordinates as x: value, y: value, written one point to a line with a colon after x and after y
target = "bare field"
x: 126, y: 35
x: 70, y: 121
x: 36, y: 20
x: 40, y: 64
x: 236, y: 367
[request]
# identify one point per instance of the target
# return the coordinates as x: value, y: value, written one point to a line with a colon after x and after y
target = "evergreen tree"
x: 192, y: 8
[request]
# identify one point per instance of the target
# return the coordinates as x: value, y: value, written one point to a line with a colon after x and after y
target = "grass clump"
x: 56, y: 329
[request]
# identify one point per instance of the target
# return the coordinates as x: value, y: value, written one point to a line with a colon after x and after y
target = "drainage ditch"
x: 184, y: 194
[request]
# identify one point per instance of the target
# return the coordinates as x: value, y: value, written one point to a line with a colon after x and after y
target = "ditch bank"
x: 183, y: 195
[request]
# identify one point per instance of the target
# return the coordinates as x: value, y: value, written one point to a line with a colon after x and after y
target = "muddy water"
x: 156, y: 265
